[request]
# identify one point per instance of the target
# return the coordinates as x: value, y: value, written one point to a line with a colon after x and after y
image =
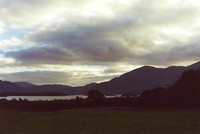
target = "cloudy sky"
x: 76, y: 42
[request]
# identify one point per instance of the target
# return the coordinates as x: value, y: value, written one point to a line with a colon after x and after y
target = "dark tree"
x: 95, y: 95
x: 95, y: 98
x: 186, y: 90
x: 153, y: 97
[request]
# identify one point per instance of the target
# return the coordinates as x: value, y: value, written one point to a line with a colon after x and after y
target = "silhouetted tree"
x: 152, y: 97
x: 95, y: 97
x: 186, y: 90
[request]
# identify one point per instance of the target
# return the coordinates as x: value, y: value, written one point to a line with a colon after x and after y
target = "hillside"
x: 24, y: 84
x: 135, y: 81
x: 144, y: 78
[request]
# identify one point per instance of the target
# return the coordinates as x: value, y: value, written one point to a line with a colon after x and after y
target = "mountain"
x: 6, y: 86
x: 55, y: 88
x: 25, y: 87
x: 60, y: 89
x: 195, y: 66
x: 24, y: 84
x: 135, y: 81
x: 146, y: 77
x: 184, y: 92
x: 52, y: 88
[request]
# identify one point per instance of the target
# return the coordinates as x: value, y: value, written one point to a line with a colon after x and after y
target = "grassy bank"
x: 102, y: 121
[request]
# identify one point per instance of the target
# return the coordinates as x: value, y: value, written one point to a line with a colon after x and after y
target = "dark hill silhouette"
x: 195, y: 66
x: 146, y: 77
x: 135, y: 81
x: 6, y: 86
x: 60, y: 89
x: 24, y: 84
x: 185, y: 92
x: 54, y: 88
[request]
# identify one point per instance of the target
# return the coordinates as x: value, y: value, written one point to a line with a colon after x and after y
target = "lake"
x: 36, y: 98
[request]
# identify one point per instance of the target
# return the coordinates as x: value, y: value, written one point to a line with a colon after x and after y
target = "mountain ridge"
x: 144, y: 78
x: 134, y: 81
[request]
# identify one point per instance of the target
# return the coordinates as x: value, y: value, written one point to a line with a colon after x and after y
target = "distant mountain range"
x: 24, y: 84
x: 144, y: 78
x: 135, y: 81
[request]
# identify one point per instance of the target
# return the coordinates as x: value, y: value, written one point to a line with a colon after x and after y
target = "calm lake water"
x: 36, y: 98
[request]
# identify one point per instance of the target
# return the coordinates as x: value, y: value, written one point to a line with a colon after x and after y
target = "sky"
x: 76, y: 42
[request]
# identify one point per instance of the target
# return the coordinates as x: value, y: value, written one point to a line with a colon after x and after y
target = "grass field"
x: 102, y: 121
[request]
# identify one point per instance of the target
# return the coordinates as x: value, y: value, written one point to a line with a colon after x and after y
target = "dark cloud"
x: 127, y: 37
x: 67, y: 35
x: 40, y: 55
x: 80, y: 44
x: 173, y: 56
x: 52, y: 55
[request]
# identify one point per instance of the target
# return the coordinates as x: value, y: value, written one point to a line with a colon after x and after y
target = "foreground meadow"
x: 102, y: 121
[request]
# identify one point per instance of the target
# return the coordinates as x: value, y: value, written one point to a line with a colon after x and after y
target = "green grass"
x: 102, y: 121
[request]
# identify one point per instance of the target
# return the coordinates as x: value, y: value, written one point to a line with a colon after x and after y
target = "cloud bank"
x: 106, y: 34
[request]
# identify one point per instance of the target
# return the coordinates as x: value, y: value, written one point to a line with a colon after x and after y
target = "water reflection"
x: 36, y: 98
